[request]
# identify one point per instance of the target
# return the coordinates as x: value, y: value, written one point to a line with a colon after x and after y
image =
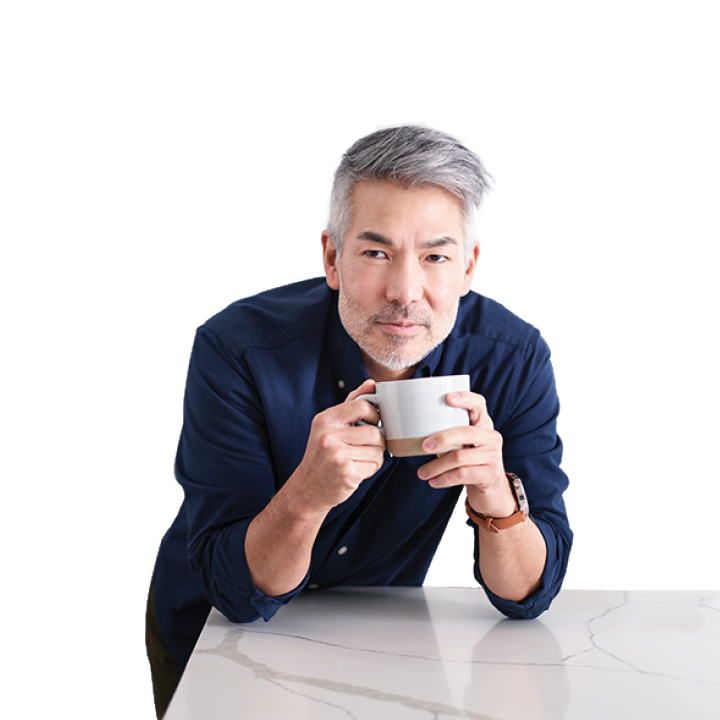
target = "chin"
x: 397, y: 359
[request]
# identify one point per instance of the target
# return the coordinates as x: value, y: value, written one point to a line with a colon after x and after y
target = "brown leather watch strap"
x: 494, y: 525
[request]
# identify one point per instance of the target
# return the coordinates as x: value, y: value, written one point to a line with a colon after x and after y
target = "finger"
x: 465, y: 436
x: 467, y: 466
x: 367, y: 387
x: 447, y: 462
x: 368, y: 413
x: 363, y: 461
x: 363, y: 435
x: 480, y: 476
x: 367, y: 468
x: 474, y: 403
x: 355, y: 412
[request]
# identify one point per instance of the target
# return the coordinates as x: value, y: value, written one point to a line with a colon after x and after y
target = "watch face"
x: 520, y: 494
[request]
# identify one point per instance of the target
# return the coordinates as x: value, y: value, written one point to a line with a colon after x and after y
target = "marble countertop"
x: 436, y: 653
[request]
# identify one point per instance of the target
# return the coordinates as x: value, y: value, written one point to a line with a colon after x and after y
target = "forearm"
x: 512, y: 561
x: 340, y: 454
x: 279, y: 542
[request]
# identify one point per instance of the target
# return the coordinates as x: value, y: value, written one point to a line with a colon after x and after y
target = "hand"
x: 340, y: 453
x: 478, y: 464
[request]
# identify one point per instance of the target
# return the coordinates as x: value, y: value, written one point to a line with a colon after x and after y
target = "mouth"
x: 401, y: 328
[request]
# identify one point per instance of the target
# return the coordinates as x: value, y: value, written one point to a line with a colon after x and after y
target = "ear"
x: 470, y: 270
x: 331, y: 261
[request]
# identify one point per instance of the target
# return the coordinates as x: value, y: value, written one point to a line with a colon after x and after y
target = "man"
x: 287, y: 490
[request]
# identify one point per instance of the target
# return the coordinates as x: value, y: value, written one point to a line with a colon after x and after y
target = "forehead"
x: 393, y: 205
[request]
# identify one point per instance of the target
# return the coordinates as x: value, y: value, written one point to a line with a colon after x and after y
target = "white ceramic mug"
x: 411, y: 410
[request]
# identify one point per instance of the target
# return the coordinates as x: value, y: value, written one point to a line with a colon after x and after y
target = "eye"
x: 374, y: 254
x: 438, y: 259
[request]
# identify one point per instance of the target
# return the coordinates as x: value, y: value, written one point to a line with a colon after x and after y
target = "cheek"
x: 445, y: 297
x: 361, y: 287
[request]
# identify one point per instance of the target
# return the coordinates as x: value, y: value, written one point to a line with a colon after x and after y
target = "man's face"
x: 401, y: 274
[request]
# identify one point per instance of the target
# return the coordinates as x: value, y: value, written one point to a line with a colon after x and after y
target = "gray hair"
x: 411, y: 156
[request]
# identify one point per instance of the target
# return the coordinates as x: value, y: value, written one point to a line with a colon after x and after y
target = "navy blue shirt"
x: 259, y: 372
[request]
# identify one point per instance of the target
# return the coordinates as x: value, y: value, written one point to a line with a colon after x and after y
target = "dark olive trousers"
x: 164, y: 671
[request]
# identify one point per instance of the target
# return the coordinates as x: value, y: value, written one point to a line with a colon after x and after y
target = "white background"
x: 159, y: 160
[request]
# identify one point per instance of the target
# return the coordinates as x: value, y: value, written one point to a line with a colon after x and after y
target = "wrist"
x: 494, y: 523
x: 295, y: 501
x: 499, y: 504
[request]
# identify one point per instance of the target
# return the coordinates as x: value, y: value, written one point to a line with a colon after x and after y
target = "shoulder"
x: 484, y: 320
x: 274, y: 318
x: 505, y: 356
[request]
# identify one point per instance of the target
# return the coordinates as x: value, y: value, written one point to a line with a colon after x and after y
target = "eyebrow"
x: 382, y: 240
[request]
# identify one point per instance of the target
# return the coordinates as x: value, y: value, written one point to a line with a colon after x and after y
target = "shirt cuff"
x: 550, y: 583
x: 268, y: 605
x: 228, y: 583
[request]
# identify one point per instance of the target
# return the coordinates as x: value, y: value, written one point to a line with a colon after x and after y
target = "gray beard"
x: 392, y: 358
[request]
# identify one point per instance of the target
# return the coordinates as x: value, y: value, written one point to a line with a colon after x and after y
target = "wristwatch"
x: 494, y: 525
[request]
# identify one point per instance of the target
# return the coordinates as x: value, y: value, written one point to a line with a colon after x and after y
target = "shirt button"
x: 342, y: 550
x: 341, y: 384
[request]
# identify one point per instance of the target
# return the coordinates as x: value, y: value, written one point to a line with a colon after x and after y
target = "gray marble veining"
x: 407, y: 653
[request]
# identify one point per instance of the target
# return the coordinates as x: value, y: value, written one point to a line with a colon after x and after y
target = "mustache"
x: 395, y: 313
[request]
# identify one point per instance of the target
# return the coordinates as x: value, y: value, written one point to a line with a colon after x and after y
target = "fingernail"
x: 430, y: 444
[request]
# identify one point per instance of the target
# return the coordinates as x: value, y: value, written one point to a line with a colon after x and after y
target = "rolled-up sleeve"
x: 225, y: 467
x: 532, y: 449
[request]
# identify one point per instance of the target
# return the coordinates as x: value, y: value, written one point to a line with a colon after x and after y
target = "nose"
x: 404, y: 283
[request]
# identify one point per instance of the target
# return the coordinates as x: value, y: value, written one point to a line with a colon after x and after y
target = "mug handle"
x: 371, y: 398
